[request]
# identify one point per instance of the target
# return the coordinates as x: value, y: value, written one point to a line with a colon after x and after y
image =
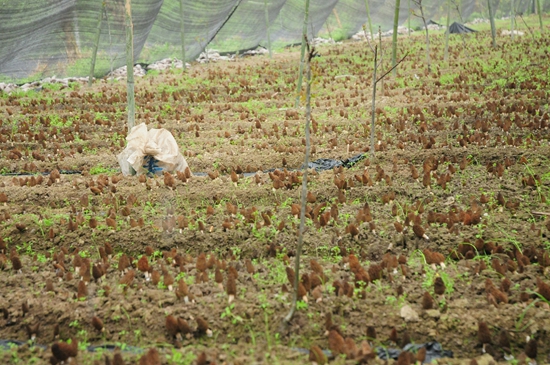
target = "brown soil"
x: 488, y: 217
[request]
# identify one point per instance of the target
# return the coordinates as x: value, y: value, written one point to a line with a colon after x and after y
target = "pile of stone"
x: 359, y: 36
x: 506, y: 32
x: 479, y: 21
x: 37, y: 85
x: 317, y: 41
x: 120, y: 73
x: 256, y: 52
x: 213, y: 56
x: 166, y: 64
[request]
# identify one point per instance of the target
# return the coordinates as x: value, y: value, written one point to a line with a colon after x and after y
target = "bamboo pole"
x: 428, y: 60
x: 373, y: 112
x: 302, y: 54
x: 539, y: 12
x: 492, y: 20
x: 512, y: 17
x: 110, y: 40
x: 329, y: 32
x: 182, y: 35
x: 394, y: 38
x: 381, y: 62
x: 368, y: 19
x: 266, y: 10
x: 337, y: 17
x: 526, y: 26
x: 310, y: 55
x: 96, y: 43
x: 409, y: 19
x: 375, y: 81
x: 130, y: 65
x: 447, y: 33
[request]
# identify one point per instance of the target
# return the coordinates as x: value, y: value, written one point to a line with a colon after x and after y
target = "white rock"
x: 409, y: 314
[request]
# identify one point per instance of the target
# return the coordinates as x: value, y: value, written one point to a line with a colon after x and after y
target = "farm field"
x: 443, y: 236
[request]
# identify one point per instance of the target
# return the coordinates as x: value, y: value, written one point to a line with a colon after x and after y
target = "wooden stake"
x: 130, y: 65
x: 394, y: 38
x: 492, y: 20
x: 96, y: 43
x: 302, y: 54
x: 182, y: 34
x: 512, y: 17
x: 540, y: 16
x: 266, y: 9
x: 368, y: 19
x: 446, y: 54
x: 310, y: 55
x: 373, y: 113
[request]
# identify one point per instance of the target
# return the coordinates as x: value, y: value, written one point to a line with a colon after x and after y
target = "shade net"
x: 41, y: 38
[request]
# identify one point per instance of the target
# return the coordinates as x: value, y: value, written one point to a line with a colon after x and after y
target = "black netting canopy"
x: 40, y: 38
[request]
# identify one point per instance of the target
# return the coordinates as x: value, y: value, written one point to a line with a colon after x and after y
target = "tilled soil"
x: 444, y: 231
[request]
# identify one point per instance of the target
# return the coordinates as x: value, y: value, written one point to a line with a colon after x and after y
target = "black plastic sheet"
x: 457, y: 28
x: 323, y: 164
x: 434, y: 350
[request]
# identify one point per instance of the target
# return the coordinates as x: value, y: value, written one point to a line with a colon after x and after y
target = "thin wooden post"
x: 266, y: 10
x: 96, y: 43
x: 329, y: 32
x: 374, y: 83
x: 428, y: 60
x: 539, y: 12
x: 130, y: 65
x: 302, y: 54
x: 182, y: 34
x: 446, y: 54
x: 381, y: 62
x: 373, y: 116
x: 492, y: 20
x: 310, y: 55
x: 512, y: 17
x: 409, y: 19
x: 394, y: 38
x: 368, y: 19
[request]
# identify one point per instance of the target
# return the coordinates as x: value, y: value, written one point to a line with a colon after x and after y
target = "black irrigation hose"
x: 8, y: 344
x: 46, y: 173
x: 321, y: 164
x: 434, y: 350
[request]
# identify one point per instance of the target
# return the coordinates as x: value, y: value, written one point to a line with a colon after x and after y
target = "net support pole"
x: 304, y: 187
x: 302, y: 54
x: 110, y: 41
x: 512, y: 16
x: 539, y: 12
x: 268, y: 32
x: 368, y: 19
x: 428, y: 59
x: 96, y: 43
x: 409, y: 19
x: 373, y: 109
x: 182, y: 35
x: 380, y: 62
x: 130, y: 65
x: 447, y: 33
x: 394, y: 38
x: 492, y: 20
